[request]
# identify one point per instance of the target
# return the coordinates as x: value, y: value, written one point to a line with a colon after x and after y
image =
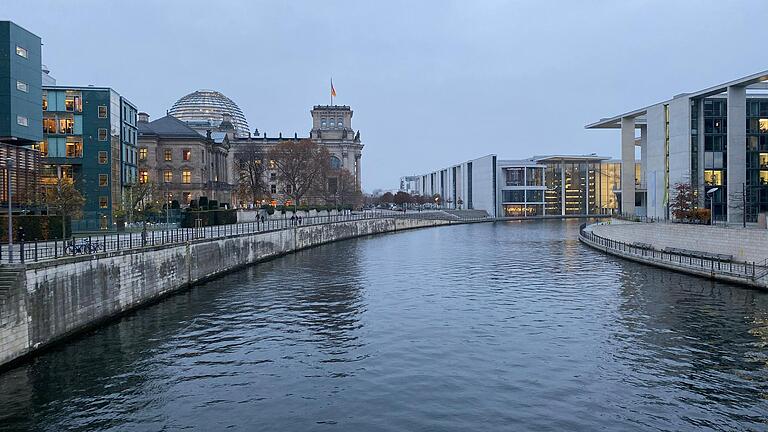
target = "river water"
x: 487, y: 327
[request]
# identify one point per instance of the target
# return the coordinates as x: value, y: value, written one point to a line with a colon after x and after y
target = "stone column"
x: 737, y: 152
x: 628, y: 165
x: 358, y: 173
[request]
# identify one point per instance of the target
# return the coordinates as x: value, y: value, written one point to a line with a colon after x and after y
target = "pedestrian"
x: 299, y: 220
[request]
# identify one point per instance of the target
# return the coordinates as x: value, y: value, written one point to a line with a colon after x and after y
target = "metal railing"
x: 738, y: 269
x: 35, y: 251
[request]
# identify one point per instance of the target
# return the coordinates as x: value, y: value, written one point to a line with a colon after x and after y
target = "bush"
x: 175, y: 204
x: 203, y: 202
x: 34, y: 227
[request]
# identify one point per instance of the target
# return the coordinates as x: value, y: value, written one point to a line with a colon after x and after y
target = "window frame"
x: 106, y: 112
x: 22, y: 120
x: 22, y: 52
x: 99, y: 155
x: 103, y: 202
x: 168, y: 155
x: 103, y: 180
x: 186, y: 176
x: 106, y: 134
x: 22, y: 86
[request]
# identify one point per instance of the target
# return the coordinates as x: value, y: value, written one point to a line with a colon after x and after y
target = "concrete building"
x: 715, y: 139
x: 184, y: 164
x: 410, y: 184
x: 89, y: 137
x: 554, y: 185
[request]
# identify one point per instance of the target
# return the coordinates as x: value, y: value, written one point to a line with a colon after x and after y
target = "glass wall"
x: 553, y: 194
x: 757, y: 157
x: 715, y: 154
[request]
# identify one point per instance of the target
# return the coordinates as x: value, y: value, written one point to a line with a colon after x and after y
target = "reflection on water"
x: 477, y: 327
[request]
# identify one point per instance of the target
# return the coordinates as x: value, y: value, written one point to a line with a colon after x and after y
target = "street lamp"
x: 8, y: 167
x: 710, y: 193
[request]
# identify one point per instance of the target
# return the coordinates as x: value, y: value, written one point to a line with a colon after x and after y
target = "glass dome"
x: 205, y: 109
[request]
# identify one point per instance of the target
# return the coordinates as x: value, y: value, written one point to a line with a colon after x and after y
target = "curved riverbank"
x: 51, y: 301
x: 729, y: 255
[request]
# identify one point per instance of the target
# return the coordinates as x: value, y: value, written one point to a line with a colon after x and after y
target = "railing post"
x: 21, y: 250
x: 35, y: 250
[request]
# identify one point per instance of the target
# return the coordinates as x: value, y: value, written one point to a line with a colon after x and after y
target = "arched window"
x: 322, y: 123
x: 339, y: 123
x: 335, y: 163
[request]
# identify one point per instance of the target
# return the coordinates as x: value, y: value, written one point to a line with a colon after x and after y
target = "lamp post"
x: 710, y: 193
x: 8, y: 167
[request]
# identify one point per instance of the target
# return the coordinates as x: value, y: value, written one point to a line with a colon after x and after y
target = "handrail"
x: 741, y: 269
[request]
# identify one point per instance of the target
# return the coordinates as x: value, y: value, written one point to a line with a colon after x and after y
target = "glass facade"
x: 715, y: 154
x: 757, y: 157
x: 581, y: 186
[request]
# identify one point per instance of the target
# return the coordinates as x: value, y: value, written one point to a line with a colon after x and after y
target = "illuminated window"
x: 186, y: 176
x: 102, y: 134
x: 45, y: 100
x: 167, y: 176
x: 22, y: 121
x: 764, y: 177
x: 66, y: 124
x: 715, y: 177
x: 42, y: 146
x: 103, y: 202
x: 21, y: 52
x: 73, y: 101
x: 103, y: 180
x: 167, y: 155
x: 74, y: 148
x: 142, y: 153
x: 186, y: 154
x: 186, y: 196
x: 102, y: 157
x: 22, y: 87
x: 49, y: 125
x: 143, y: 176
x: 102, y: 111
x: 272, y: 164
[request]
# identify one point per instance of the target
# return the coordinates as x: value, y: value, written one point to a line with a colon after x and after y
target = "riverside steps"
x: 49, y: 300
x: 726, y: 254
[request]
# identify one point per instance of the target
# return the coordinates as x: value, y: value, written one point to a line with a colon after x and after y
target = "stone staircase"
x: 9, y: 276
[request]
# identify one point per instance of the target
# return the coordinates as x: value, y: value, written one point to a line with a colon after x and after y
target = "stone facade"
x: 184, y: 164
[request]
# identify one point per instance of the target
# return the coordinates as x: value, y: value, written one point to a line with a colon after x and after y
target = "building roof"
x: 168, y: 126
x: 614, y: 122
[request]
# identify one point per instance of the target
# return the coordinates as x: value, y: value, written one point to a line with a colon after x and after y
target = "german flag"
x: 333, y: 90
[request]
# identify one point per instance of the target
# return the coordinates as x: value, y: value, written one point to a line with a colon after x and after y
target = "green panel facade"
x: 20, y: 84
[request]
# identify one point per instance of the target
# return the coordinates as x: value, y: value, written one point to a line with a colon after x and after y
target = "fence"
x: 109, y: 242
x: 701, y: 262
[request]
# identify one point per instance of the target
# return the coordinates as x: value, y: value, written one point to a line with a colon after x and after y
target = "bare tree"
x: 250, y: 167
x: 63, y: 198
x: 300, y: 165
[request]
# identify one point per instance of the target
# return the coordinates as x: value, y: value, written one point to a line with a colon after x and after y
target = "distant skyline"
x: 431, y: 83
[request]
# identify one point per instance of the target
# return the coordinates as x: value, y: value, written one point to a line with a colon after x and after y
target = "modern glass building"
x: 89, y: 137
x: 554, y: 185
x: 715, y: 140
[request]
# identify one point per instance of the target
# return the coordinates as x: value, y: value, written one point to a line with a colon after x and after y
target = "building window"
x: 335, y: 163
x: 102, y: 157
x: 22, y: 121
x: 187, y: 197
x: 49, y: 125
x: 714, y: 177
x: 74, y: 147
x: 103, y: 180
x: 167, y: 176
x: 533, y: 176
x: 186, y: 176
x: 186, y: 154
x: 288, y: 189
x: 21, y: 52
x: 272, y: 176
x: 515, y: 176
x: 66, y: 124
x: 143, y: 176
x: 272, y: 164
x: 45, y: 100
x: 102, y: 134
x: 273, y: 188
x: 103, y: 202
x: 102, y: 111
x: 322, y: 123
x: 339, y: 123
x: 142, y: 153
x: 22, y: 87
x: 167, y: 155
x: 513, y: 196
x: 42, y: 146
x: 73, y: 101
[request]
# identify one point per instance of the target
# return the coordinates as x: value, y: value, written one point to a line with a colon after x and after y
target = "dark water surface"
x: 488, y: 327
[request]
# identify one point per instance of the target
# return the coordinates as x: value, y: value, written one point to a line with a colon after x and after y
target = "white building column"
x: 737, y: 152
x: 628, y: 165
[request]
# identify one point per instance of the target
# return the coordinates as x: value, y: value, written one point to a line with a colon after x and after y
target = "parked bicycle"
x: 83, y: 246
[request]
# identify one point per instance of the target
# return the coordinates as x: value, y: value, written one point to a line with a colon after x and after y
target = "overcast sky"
x: 431, y: 83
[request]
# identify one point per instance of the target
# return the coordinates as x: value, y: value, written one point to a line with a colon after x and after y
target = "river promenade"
x: 728, y: 254
x: 46, y: 301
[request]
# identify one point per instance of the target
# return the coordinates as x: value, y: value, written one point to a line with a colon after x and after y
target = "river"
x: 486, y: 327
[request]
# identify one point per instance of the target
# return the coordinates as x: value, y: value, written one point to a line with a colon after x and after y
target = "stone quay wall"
x: 744, y: 244
x: 50, y: 301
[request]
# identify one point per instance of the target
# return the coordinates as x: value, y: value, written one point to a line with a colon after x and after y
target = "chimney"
x: 143, y: 117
